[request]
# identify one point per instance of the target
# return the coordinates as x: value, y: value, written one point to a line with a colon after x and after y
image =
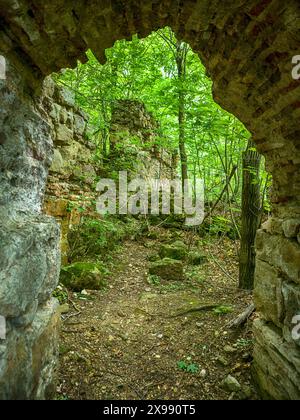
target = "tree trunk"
x: 251, y: 210
x: 181, y: 67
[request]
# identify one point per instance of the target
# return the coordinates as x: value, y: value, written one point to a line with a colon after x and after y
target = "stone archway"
x: 247, y: 48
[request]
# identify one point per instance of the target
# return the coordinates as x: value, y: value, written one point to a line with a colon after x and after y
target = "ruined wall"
x: 247, y: 48
x: 134, y: 135
x: 73, y: 174
x: 277, y: 296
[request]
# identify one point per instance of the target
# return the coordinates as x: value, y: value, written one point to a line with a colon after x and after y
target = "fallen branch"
x: 193, y: 310
x: 242, y: 318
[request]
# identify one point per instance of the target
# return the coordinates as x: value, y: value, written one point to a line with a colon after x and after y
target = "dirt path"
x: 124, y: 345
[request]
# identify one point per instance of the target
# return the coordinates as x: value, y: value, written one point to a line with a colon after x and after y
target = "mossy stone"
x: 83, y: 275
x: 167, y: 269
x: 176, y: 251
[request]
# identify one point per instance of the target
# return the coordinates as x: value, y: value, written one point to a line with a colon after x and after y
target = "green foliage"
x: 188, y: 367
x: 223, y: 310
x: 146, y: 70
x: 61, y: 295
x: 95, y: 238
x: 244, y: 343
x: 154, y: 280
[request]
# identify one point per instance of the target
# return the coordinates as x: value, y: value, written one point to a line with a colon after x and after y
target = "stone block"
x: 28, y: 357
x: 57, y: 163
x: 65, y: 97
x: 291, y: 228
x: 276, y: 365
x: 167, y: 269
x: 291, y: 296
x: 64, y: 136
x: 79, y: 125
x: 279, y: 252
x: 29, y: 263
x: 268, y: 293
x: 56, y: 207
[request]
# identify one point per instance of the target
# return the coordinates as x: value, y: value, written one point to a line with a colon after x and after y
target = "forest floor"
x: 126, y: 342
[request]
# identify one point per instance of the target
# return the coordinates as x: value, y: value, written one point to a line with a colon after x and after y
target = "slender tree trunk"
x: 181, y: 67
x: 251, y: 210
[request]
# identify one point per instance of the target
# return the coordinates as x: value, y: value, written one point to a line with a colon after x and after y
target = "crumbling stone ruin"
x: 247, y: 48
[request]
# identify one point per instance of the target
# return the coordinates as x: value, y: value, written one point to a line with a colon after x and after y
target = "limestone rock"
x: 268, y: 292
x: 176, y: 251
x: 276, y: 365
x: 291, y: 228
x: 64, y: 135
x: 231, y: 384
x: 291, y: 296
x: 279, y: 252
x: 57, y: 163
x: 65, y: 97
x: 80, y: 276
x: 29, y: 358
x: 29, y: 263
x: 167, y: 269
x: 79, y: 125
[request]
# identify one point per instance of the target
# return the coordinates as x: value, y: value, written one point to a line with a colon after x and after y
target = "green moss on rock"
x: 167, y: 269
x: 83, y: 275
x: 177, y: 251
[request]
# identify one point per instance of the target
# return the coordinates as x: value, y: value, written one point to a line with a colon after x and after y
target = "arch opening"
x: 248, y: 52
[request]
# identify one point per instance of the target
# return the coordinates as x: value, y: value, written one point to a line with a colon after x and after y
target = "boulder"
x: 83, y: 275
x: 167, y: 269
x: 177, y: 251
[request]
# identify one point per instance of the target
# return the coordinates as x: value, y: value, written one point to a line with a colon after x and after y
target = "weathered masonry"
x: 247, y: 48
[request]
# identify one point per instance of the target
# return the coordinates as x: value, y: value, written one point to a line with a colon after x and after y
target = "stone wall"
x: 135, y: 132
x: 277, y: 296
x: 71, y: 187
x: 29, y: 250
x: 247, y: 48
x: 72, y: 175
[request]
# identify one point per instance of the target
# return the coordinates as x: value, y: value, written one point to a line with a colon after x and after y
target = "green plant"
x: 154, y: 280
x: 189, y: 368
x: 60, y: 294
x: 223, y: 310
x: 97, y: 237
x: 244, y: 343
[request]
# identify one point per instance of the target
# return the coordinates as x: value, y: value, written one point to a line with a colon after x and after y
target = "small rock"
x: 64, y: 309
x: 231, y: 384
x: 203, y: 373
x: 84, y: 293
x: 222, y: 361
